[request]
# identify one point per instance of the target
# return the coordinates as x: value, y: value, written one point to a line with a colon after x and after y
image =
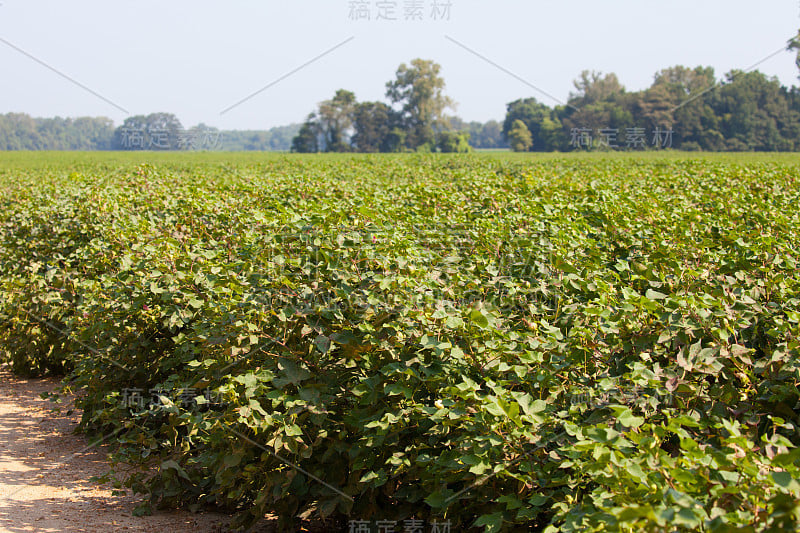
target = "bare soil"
x: 45, y: 470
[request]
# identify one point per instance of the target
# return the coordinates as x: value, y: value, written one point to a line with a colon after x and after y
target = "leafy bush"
x: 569, y: 345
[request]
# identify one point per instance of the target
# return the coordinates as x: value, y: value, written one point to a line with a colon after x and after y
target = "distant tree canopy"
x: 160, y: 131
x: 278, y: 139
x: 419, y: 91
x: 21, y: 132
x: 541, y: 122
x: 453, y: 142
x: 485, y: 136
x: 520, y: 137
x: 413, y: 120
x: 375, y: 127
x: 684, y: 108
x: 747, y: 111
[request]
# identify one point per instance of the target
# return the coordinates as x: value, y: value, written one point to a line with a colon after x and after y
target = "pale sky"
x: 198, y: 58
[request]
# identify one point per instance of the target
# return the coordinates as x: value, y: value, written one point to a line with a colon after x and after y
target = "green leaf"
x: 440, y: 499
x: 173, y: 465
x: 323, y: 344
x: 654, y: 295
x: 293, y: 371
x: 231, y: 461
x: 479, y: 318
x: 530, y: 406
x: 491, y: 522
x: 787, y: 481
x: 627, y: 419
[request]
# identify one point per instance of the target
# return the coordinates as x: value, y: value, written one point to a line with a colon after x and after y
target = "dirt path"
x: 45, y: 472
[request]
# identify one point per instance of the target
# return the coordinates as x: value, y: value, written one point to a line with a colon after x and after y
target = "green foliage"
x: 452, y: 142
x: 519, y: 137
x: 373, y: 124
x: 19, y: 131
x: 746, y: 112
x: 419, y: 89
x: 344, y: 125
x: 573, y: 344
x: 156, y: 131
x: 482, y: 136
x: 540, y: 121
x: 278, y: 139
x: 308, y: 140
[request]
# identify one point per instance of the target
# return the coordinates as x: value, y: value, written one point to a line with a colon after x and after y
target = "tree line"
x: 19, y: 131
x: 684, y: 108
x: 748, y: 111
x: 414, y: 119
x: 163, y: 131
x: 157, y: 131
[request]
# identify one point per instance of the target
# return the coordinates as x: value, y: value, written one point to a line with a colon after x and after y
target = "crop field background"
x: 596, y: 342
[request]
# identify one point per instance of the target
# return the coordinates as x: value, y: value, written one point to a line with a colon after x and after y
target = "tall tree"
x: 307, y: 140
x: 519, y: 137
x: 335, y: 119
x: 419, y: 90
x: 329, y: 128
x: 372, y: 124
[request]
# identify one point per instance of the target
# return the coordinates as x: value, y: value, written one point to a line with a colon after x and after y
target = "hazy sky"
x: 198, y: 58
